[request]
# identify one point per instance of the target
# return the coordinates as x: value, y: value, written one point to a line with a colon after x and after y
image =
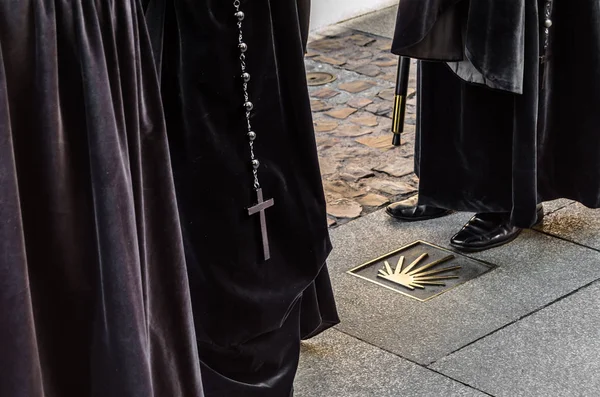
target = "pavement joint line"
x: 566, y: 240
x: 560, y: 208
x: 412, y: 362
x: 583, y: 287
x: 563, y: 238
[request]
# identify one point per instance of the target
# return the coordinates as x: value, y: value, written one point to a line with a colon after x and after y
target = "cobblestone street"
x: 361, y: 169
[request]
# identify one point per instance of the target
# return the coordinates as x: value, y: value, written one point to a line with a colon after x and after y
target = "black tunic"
x: 247, y: 311
x: 493, y: 135
x: 94, y: 297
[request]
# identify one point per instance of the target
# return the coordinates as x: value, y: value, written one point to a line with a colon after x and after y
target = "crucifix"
x: 248, y: 106
x: 260, y: 208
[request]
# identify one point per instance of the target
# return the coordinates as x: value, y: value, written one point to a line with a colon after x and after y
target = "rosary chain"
x: 547, y: 23
x: 245, y: 77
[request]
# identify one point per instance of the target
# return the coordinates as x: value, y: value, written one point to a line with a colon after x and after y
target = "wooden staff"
x: 400, y: 100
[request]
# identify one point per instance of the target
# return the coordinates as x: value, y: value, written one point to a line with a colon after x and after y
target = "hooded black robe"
x: 94, y: 296
x: 247, y: 311
x: 493, y: 134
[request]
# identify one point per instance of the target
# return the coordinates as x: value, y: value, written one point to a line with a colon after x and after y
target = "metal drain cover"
x: 421, y: 270
x: 319, y: 78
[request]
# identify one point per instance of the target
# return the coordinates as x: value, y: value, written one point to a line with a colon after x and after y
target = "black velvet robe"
x: 247, y: 311
x: 94, y: 296
x: 493, y: 135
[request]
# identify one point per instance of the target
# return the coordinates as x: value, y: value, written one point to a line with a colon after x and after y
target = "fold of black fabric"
x: 248, y: 312
x: 483, y: 40
x: 500, y: 150
x: 318, y: 310
x: 94, y: 295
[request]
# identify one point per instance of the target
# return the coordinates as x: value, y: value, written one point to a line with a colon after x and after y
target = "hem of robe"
x: 318, y: 310
x: 408, y: 48
x: 458, y: 181
x: 448, y: 24
x: 567, y: 161
x: 264, y: 366
x: 314, y: 311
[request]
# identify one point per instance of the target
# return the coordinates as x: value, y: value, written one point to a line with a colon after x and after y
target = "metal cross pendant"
x: 260, y: 208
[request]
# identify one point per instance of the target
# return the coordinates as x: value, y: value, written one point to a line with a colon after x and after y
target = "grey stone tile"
x: 575, y: 223
x: 337, y: 365
x: 554, y: 352
x: 533, y: 271
x: 380, y: 22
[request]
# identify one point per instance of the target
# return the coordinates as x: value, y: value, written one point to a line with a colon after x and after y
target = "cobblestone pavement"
x: 361, y: 170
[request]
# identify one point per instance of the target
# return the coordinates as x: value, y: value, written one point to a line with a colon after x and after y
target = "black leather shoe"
x: 488, y: 230
x: 408, y: 210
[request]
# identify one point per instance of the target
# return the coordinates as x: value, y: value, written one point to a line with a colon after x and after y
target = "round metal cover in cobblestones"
x: 319, y: 78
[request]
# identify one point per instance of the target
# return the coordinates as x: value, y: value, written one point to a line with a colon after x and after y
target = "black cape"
x: 94, y: 297
x: 494, y: 134
x: 247, y: 311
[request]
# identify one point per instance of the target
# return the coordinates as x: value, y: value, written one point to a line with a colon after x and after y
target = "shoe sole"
x: 488, y: 247
x: 539, y: 221
x: 417, y: 219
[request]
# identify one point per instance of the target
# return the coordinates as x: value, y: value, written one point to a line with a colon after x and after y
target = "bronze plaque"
x: 421, y: 270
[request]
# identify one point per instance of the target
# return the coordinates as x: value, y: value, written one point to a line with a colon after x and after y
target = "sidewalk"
x: 528, y: 327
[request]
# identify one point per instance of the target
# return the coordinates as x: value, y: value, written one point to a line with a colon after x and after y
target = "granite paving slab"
x: 337, y: 365
x: 554, y: 352
x: 575, y: 223
x: 533, y: 271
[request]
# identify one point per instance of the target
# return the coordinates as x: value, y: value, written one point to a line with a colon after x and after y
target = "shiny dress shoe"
x: 488, y: 230
x: 408, y: 210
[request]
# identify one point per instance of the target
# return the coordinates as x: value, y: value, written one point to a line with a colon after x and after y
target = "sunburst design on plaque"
x: 411, y: 277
